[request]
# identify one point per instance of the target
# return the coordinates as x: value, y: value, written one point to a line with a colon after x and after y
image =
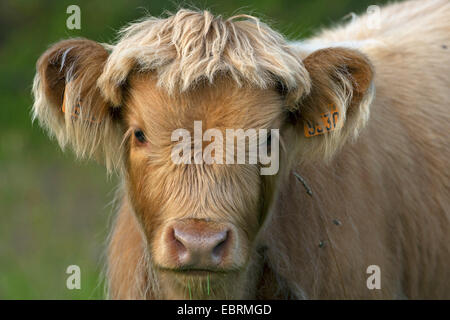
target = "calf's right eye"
x: 139, y: 135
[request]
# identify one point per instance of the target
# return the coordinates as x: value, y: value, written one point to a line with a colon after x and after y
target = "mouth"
x: 196, y: 272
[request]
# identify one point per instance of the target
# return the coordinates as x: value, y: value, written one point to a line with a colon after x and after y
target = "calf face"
x: 200, y: 221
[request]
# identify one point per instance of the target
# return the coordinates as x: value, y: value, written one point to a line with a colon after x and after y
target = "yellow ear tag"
x: 330, y: 122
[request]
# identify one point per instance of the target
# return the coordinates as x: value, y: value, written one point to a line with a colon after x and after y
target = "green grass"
x: 54, y: 213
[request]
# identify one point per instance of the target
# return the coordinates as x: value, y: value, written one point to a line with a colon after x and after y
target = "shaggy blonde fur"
x: 190, y: 46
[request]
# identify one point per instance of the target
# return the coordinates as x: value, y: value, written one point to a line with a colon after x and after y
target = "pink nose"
x: 200, y: 244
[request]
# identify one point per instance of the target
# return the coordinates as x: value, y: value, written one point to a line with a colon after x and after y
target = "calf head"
x: 123, y: 103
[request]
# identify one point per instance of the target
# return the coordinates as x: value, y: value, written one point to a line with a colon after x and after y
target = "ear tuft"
x: 337, y: 107
x: 68, y: 72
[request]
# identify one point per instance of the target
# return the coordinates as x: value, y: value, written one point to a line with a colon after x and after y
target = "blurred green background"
x: 55, y: 211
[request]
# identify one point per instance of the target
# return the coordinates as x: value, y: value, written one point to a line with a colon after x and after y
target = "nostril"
x: 219, y: 250
x: 180, y: 248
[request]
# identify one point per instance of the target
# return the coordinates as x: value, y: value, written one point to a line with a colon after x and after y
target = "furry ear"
x: 68, y: 103
x: 337, y: 106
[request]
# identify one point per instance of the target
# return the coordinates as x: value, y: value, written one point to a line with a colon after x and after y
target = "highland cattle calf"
x: 357, y: 116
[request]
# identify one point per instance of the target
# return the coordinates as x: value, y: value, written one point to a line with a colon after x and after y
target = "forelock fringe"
x: 191, y: 46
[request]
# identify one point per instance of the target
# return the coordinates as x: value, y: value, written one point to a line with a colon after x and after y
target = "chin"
x: 202, y: 284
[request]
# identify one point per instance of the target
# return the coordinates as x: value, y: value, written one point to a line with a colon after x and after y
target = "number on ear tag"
x: 330, y: 122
